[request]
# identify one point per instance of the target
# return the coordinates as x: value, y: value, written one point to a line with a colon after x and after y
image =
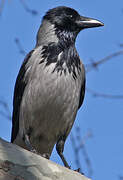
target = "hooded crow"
x: 50, y: 86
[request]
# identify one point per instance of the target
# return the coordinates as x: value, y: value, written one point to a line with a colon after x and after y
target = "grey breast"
x: 50, y: 103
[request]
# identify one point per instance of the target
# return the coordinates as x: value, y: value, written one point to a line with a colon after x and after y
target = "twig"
x: 32, y: 11
x: 1, y: 6
x: 84, y: 139
x: 94, y: 65
x: 82, y: 148
x: 7, y: 113
x: 120, y: 177
x: 76, y: 153
x: 110, y: 96
x: 121, y: 45
x: 21, y: 50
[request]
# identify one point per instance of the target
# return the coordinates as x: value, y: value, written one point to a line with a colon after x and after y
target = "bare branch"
x: 7, y: 113
x: 76, y: 152
x: 94, y: 65
x: 121, y: 45
x: 21, y: 50
x: 97, y: 94
x: 1, y: 6
x: 31, y: 11
x: 82, y: 148
x: 87, y: 160
x: 85, y: 138
x: 120, y: 177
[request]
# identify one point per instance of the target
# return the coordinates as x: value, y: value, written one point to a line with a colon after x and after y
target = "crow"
x: 50, y: 86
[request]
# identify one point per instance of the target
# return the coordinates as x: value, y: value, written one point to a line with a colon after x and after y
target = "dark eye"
x: 70, y: 16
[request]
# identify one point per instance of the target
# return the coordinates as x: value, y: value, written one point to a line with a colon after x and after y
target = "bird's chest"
x: 54, y: 97
x: 59, y: 88
x: 56, y: 80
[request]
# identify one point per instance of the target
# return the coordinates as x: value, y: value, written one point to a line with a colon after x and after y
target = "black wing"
x: 18, y: 93
x: 82, y: 94
x: 82, y: 91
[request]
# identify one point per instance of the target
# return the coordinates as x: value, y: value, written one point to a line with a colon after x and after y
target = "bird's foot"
x: 46, y: 155
x: 34, y: 151
x: 77, y: 170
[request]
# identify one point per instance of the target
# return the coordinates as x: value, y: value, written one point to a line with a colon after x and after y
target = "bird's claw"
x: 77, y: 170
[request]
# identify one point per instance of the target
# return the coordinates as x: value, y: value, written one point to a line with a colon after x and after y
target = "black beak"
x: 85, y: 22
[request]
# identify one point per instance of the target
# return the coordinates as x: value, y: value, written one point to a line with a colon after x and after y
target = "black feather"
x: 63, y: 17
x: 69, y: 56
x: 82, y: 94
x: 18, y: 93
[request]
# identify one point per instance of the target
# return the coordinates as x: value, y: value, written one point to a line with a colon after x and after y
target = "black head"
x: 69, y: 19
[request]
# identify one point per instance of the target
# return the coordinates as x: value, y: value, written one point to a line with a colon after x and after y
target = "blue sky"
x: 102, y: 116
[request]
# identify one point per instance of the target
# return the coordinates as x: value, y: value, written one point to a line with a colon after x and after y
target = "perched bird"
x: 50, y: 86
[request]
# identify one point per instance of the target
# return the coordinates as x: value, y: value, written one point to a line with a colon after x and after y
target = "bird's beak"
x: 85, y: 22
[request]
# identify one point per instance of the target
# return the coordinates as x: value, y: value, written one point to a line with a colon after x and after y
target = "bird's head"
x: 68, y: 19
x: 66, y: 22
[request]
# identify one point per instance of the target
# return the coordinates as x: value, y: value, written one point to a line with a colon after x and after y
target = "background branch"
x: 6, y: 111
x: 19, y: 46
x: 78, y: 145
x: 95, y: 64
x: 31, y: 11
x: 1, y: 6
x: 97, y: 94
x: 120, y: 177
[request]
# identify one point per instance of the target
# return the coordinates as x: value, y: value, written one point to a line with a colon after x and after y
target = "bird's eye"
x: 71, y: 16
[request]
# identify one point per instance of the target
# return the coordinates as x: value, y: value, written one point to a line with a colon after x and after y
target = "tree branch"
x: 76, y: 152
x: 21, y: 50
x: 7, y: 113
x: 1, y: 6
x: 17, y: 163
x: 81, y: 148
x: 120, y: 177
x: 31, y: 11
x: 94, y: 65
x: 97, y: 94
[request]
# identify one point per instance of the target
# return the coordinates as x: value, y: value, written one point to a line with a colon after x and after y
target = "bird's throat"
x: 66, y: 59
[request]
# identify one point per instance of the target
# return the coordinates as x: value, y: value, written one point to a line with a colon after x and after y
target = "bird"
x: 50, y: 85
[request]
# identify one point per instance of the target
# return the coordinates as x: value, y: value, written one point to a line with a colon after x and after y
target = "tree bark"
x: 17, y: 163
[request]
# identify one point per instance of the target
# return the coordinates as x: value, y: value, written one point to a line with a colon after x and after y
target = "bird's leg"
x: 32, y: 149
x: 28, y: 144
x: 60, y: 149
